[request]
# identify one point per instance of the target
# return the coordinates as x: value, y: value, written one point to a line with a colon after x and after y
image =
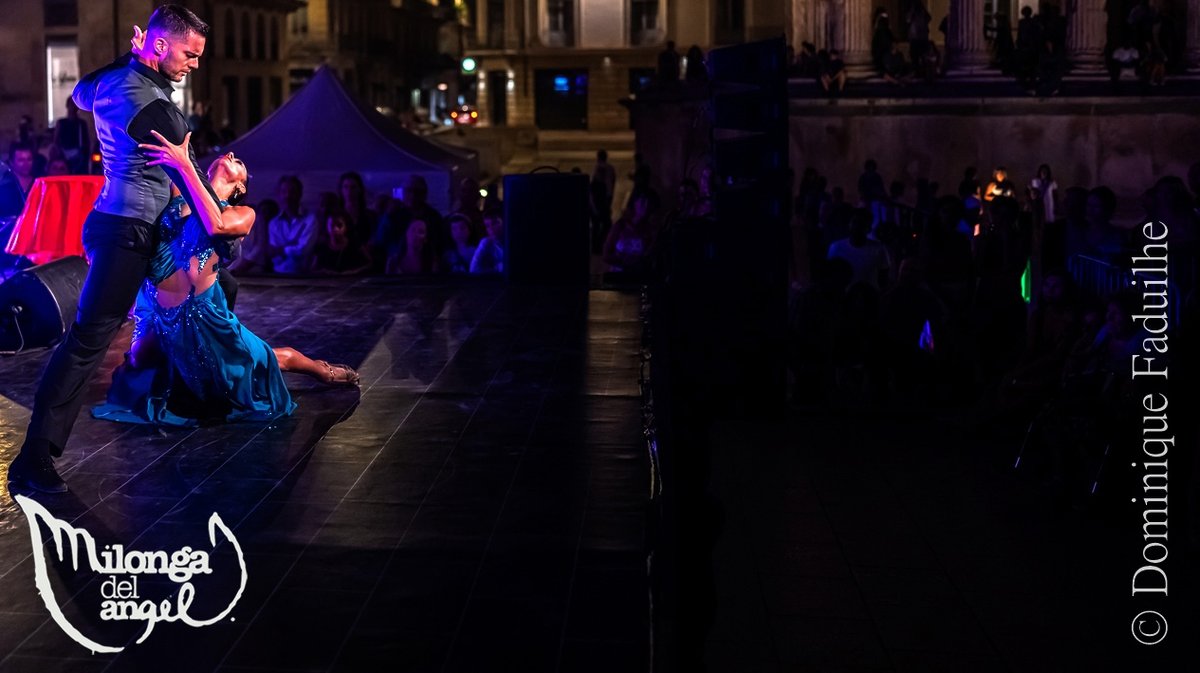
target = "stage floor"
x: 477, y: 506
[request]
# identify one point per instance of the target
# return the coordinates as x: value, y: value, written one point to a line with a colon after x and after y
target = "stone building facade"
x: 564, y: 64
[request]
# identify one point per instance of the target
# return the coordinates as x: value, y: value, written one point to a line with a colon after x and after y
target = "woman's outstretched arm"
x: 234, y: 221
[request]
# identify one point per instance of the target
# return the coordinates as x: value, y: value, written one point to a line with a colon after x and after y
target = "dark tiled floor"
x: 889, y: 542
x: 477, y: 507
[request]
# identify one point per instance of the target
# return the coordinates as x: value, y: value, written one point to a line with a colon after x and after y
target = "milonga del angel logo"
x: 120, y: 569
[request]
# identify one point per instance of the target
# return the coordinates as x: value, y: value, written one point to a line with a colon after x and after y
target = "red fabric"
x: 51, y: 226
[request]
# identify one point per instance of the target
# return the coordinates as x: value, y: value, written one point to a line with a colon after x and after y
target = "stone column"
x: 1087, y: 31
x: 966, y: 50
x: 855, y: 28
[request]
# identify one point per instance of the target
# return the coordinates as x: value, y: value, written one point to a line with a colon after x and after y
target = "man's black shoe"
x: 34, y: 474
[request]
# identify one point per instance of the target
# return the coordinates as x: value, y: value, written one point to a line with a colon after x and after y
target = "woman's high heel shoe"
x: 339, y: 374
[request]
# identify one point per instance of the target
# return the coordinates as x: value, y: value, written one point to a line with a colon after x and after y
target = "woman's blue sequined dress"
x: 214, y: 367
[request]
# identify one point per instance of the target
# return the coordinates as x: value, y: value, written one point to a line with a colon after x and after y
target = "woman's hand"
x: 166, y: 154
x: 138, y: 40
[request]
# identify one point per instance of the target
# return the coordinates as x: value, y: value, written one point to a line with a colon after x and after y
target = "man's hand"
x: 138, y: 40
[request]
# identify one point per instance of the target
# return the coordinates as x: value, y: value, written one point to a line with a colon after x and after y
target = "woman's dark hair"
x: 361, y: 202
x: 1049, y: 175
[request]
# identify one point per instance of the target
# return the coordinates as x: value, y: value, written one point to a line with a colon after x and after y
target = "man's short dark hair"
x: 177, y: 21
x: 20, y: 147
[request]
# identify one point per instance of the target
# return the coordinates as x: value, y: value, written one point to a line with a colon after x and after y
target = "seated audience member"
x: 360, y: 219
x: 58, y: 167
x: 629, y: 243
x: 833, y: 72
x: 416, y: 255
x: 255, y: 254
x: 462, y: 250
x: 1124, y: 59
x: 489, y: 256
x: 293, y: 233
x: 895, y: 69
x: 15, y: 185
x: 868, y: 258
x: 336, y: 252
x: 412, y: 205
x: 467, y: 203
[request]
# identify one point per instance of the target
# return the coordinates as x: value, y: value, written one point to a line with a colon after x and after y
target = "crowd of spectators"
x: 344, y: 235
x: 1143, y: 44
x: 973, y: 297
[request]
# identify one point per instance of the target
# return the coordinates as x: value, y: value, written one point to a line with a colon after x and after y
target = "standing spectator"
x: 1003, y: 48
x: 1029, y: 39
x: 71, y: 137
x: 15, y: 185
x: 464, y: 242
x: 871, y: 190
x: 1043, y: 192
x: 489, y: 256
x: 1000, y: 185
x: 918, y: 33
x: 868, y: 258
x: 293, y: 233
x: 600, y: 202
x: 882, y: 40
x: 668, y: 66
x: 697, y: 73
x: 604, y: 173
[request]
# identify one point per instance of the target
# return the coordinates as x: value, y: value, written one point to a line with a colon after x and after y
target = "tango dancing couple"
x: 158, y: 238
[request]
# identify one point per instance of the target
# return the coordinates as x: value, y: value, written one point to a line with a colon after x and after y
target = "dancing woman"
x: 191, y: 359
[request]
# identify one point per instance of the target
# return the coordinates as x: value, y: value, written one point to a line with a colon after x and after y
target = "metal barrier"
x: 1102, y: 279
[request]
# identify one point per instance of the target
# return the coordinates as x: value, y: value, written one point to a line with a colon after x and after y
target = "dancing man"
x: 130, y: 98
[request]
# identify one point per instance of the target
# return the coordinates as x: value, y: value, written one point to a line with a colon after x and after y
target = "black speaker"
x: 38, y: 305
x: 546, y: 220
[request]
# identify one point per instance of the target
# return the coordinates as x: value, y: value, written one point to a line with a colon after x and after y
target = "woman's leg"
x: 292, y: 360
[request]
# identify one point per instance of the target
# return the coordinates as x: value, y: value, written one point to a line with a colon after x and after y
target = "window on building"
x: 298, y: 22
x: 560, y: 23
x: 230, y: 35
x: 643, y: 22
x: 731, y: 21
x: 260, y: 37
x: 274, y: 38
x: 247, y: 40
x: 61, y: 13
x: 495, y: 21
x: 62, y: 72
